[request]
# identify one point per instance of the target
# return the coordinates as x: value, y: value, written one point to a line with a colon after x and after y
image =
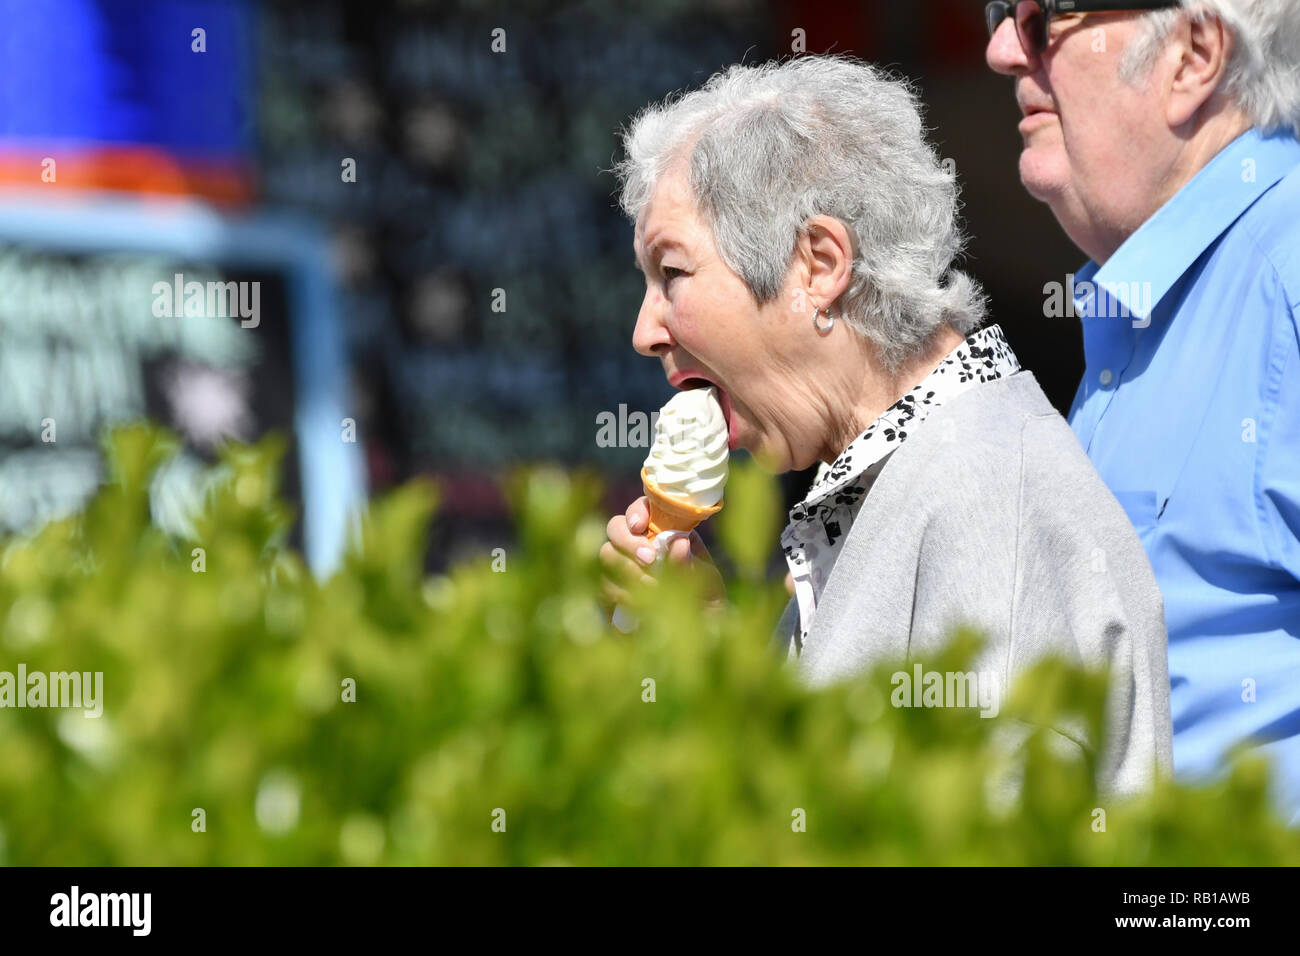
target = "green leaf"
x: 750, y: 518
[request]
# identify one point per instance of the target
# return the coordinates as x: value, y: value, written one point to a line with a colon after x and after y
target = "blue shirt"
x: 1190, y: 410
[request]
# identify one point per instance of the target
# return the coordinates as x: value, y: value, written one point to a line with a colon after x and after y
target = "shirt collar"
x: 1157, y: 255
x: 982, y: 357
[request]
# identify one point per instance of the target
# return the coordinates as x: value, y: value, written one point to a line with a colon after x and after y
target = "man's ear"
x: 829, y: 250
x: 1203, y: 48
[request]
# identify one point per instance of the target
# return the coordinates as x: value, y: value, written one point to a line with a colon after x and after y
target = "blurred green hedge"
x: 497, y: 719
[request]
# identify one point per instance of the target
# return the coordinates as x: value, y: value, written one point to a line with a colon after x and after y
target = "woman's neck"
x: 879, y: 389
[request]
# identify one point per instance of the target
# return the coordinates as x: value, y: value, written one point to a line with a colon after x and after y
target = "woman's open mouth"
x: 698, y: 381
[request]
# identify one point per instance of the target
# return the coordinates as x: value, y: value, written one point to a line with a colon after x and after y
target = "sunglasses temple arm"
x: 1099, y: 6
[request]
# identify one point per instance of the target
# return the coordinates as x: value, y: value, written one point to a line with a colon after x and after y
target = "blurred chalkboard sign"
x: 222, y: 329
x: 90, y: 340
x: 490, y: 283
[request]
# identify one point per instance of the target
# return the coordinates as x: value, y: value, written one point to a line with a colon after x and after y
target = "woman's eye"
x: 671, y: 272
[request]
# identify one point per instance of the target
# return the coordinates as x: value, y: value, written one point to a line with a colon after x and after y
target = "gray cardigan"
x: 991, y: 515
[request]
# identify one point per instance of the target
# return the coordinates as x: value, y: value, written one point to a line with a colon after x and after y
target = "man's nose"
x: 651, y: 336
x: 1004, y: 53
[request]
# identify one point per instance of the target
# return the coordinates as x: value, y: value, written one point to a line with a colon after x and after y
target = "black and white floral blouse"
x: 820, y: 523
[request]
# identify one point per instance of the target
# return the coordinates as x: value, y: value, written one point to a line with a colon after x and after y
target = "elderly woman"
x: 797, y: 236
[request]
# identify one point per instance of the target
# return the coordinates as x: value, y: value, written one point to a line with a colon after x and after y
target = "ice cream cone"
x: 672, y: 514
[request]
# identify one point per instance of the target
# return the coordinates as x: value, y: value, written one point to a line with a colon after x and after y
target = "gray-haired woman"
x: 797, y: 236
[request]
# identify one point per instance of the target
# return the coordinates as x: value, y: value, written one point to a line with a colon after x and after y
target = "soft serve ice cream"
x: 685, y: 471
x: 684, y: 474
x: 688, y: 460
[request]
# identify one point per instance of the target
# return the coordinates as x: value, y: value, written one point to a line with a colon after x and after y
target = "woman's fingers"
x: 626, y: 542
x: 619, y: 573
x: 689, y: 551
x: 686, y: 547
x: 628, y: 553
x: 638, y: 516
x: 612, y: 595
x: 620, y: 566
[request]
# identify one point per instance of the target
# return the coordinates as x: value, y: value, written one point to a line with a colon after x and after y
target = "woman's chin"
x: 766, y: 457
x: 770, y: 461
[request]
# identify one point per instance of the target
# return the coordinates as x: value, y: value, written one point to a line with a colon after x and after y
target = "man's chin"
x: 1042, y: 174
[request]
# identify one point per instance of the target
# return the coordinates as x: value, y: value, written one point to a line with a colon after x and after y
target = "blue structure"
x: 332, y: 472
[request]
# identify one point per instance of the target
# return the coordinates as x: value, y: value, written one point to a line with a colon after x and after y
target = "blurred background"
x: 410, y: 205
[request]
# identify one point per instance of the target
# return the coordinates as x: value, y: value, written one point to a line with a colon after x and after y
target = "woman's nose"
x: 651, y: 335
x: 1004, y: 54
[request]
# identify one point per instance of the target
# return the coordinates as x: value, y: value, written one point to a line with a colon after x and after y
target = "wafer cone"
x: 671, y: 514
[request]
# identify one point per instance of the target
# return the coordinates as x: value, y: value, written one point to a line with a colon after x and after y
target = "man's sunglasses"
x: 1033, y: 16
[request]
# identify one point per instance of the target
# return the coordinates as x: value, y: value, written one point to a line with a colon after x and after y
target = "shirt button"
x: 1106, y: 377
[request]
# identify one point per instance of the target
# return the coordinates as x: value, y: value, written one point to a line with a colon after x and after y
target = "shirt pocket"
x: 1140, y: 506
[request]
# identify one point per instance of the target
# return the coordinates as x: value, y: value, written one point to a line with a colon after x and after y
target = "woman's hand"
x: 629, y: 556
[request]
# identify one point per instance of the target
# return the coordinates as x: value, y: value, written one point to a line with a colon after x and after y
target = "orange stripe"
x: 130, y: 169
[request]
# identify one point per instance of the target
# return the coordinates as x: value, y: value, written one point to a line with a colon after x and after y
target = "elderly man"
x: 1165, y: 142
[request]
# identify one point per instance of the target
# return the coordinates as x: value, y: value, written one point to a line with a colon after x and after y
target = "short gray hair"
x: 773, y: 144
x: 1263, y: 75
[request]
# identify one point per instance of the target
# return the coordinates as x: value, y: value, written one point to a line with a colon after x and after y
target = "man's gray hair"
x: 1263, y: 75
x: 771, y: 145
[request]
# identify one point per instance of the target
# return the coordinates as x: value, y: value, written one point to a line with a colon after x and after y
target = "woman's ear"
x: 829, y: 259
